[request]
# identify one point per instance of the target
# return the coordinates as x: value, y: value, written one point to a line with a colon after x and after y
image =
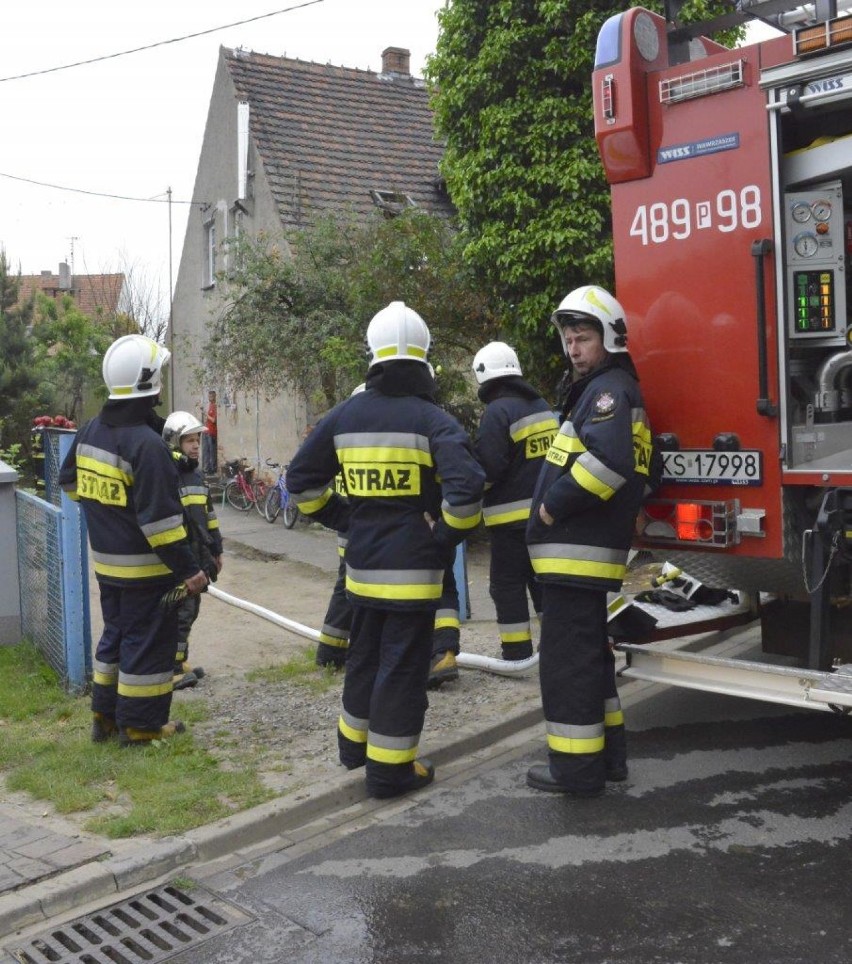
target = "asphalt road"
x: 728, y: 843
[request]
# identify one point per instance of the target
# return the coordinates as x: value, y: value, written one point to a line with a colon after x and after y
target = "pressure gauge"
x: 800, y: 212
x: 821, y: 210
x: 646, y: 36
x: 805, y: 244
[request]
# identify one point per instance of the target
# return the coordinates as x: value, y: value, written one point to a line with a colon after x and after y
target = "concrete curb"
x: 29, y: 906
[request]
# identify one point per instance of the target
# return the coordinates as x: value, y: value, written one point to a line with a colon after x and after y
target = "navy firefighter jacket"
x: 400, y: 456
x: 593, y: 481
x: 515, y: 433
x: 126, y: 481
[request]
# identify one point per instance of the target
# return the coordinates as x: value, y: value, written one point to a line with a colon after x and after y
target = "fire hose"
x: 502, y: 667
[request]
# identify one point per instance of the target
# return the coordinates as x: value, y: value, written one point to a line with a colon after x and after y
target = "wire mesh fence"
x: 53, y: 572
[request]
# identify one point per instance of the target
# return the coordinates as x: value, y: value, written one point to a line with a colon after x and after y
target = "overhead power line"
x: 159, y: 43
x: 77, y: 190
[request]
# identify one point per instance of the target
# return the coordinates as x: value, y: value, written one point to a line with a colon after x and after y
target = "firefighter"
x: 127, y: 484
x: 591, y: 485
x: 414, y: 491
x: 514, y: 435
x: 182, y: 433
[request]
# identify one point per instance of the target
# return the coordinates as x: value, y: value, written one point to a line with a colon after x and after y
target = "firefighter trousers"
x: 582, y: 711
x: 446, y: 634
x: 334, y: 635
x: 135, y: 657
x: 384, y: 694
x: 510, y: 579
x: 187, y: 612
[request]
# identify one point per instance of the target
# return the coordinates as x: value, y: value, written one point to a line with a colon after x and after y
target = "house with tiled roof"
x: 100, y: 296
x: 286, y: 142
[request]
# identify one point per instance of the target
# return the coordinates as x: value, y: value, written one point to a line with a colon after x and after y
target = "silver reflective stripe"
x: 111, y: 559
x: 108, y: 458
x: 385, y: 440
x: 195, y: 490
x: 309, y: 494
x: 603, y: 473
x: 573, y: 731
x: 513, y: 628
x: 334, y: 632
x: 491, y: 510
x: 612, y: 705
x: 462, y: 511
x: 563, y: 550
x: 105, y: 669
x: 342, y: 541
x: 162, y: 525
x: 151, y: 679
x: 537, y: 418
x: 395, y: 577
x: 355, y: 722
x: 393, y: 742
x: 447, y: 614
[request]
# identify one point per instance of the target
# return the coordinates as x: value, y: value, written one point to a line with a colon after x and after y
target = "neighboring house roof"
x: 327, y: 135
x: 94, y: 294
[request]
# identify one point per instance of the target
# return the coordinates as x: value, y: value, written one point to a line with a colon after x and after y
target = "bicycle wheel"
x: 272, y: 505
x: 291, y: 514
x: 236, y: 496
x: 258, y: 491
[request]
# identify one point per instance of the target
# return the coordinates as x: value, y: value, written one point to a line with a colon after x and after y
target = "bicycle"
x: 278, y: 498
x: 243, y: 491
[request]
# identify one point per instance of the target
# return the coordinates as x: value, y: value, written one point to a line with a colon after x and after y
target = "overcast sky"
x: 133, y: 125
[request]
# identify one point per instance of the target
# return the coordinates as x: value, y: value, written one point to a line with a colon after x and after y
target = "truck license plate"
x: 707, y: 467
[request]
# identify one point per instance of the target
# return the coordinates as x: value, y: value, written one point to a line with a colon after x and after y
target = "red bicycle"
x: 243, y: 490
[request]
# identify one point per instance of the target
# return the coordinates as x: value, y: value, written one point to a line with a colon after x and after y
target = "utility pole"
x: 172, y: 403
x: 72, y: 239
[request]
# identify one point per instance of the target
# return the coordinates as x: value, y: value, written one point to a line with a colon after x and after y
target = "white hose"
x: 290, y: 624
x: 502, y: 667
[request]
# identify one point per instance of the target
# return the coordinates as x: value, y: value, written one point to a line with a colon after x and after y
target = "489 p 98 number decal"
x: 677, y: 220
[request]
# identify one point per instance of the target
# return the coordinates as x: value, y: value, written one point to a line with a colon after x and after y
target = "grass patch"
x: 46, y: 751
x: 300, y: 670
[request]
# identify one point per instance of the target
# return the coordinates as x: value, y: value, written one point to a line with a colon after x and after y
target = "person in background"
x: 414, y: 491
x: 592, y: 482
x: 514, y: 435
x: 182, y: 433
x: 210, y: 464
x: 127, y: 485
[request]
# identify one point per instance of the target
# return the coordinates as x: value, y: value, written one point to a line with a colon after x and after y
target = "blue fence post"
x: 75, y: 584
x: 460, y: 573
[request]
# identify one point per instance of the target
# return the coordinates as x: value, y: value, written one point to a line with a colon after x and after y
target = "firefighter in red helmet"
x: 591, y: 485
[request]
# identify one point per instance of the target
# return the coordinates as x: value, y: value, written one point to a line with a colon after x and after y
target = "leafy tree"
x: 22, y: 393
x: 512, y: 96
x: 302, y: 313
x: 69, y: 349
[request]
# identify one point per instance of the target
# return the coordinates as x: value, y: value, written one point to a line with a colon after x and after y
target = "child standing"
x: 182, y: 433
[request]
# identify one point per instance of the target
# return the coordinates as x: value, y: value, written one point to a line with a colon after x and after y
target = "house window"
x: 392, y: 203
x: 209, y: 266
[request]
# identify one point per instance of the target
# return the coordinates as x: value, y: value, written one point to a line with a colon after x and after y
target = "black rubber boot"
x: 103, y: 728
x: 130, y: 736
x: 539, y: 777
x: 422, y: 774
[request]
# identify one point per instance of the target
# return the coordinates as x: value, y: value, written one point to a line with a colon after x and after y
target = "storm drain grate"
x: 150, y: 927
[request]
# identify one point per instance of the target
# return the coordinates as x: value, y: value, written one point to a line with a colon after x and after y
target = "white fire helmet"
x: 179, y: 424
x: 132, y: 367
x: 397, y: 332
x: 591, y: 303
x: 495, y: 360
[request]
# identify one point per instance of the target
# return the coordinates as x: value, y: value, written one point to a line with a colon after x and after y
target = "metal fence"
x: 53, y: 572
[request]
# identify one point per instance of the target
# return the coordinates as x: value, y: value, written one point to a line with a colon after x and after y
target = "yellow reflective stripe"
x: 382, y: 453
x: 574, y: 744
x: 103, y: 468
x: 167, y: 537
x: 568, y: 443
x: 152, y: 689
x: 591, y: 483
x: 519, y: 637
x: 579, y: 567
x: 615, y: 718
x: 461, y: 522
x: 414, y: 350
x: 501, y: 518
x: 356, y: 736
x: 193, y: 500
x: 212, y: 523
x: 105, y: 679
x: 447, y: 622
x: 380, y: 590
x: 382, y: 755
x: 534, y: 428
x: 132, y: 572
x: 340, y: 642
x: 309, y: 506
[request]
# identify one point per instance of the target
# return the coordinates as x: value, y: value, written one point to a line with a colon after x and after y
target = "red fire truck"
x: 731, y: 181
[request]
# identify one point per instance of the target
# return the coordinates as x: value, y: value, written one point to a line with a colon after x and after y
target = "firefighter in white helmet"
x: 127, y: 484
x: 414, y: 491
x: 587, y: 497
x: 182, y: 433
x: 514, y: 435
